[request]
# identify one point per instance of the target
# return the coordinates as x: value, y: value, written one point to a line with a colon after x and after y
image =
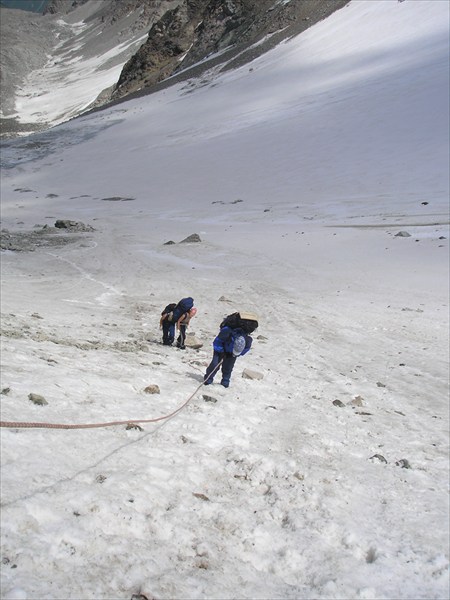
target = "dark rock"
x: 379, y: 458
x: 193, y: 238
x: 134, y: 426
x: 201, y: 496
x: 338, y: 403
x: 402, y: 234
x: 72, y: 225
x: 207, y: 398
x: 37, y: 399
x: 169, y: 243
x: 403, y: 463
x: 152, y: 389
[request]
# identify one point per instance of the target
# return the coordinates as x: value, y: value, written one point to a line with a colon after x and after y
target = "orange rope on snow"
x: 20, y: 424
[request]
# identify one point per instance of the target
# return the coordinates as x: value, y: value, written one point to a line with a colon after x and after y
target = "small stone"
x: 134, y: 426
x: 402, y: 234
x: 193, y: 238
x: 152, y: 389
x: 403, y: 463
x: 37, y: 399
x: 169, y: 243
x: 201, y: 496
x: 338, y: 403
x: 5, y: 391
x: 72, y: 225
x: 379, y: 458
x: 248, y: 374
x: 379, y: 384
x: 207, y: 398
x: 357, y: 401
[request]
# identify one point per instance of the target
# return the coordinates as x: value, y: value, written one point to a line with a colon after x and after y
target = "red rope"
x: 108, y: 424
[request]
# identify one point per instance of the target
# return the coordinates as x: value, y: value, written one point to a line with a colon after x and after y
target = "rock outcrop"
x: 197, y: 29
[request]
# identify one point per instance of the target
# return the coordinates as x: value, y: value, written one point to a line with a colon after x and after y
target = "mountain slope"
x: 298, y: 172
x: 106, y: 44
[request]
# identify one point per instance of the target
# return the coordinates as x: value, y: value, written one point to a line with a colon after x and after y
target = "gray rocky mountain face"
x: 196, y: 29
x: 184, y: 38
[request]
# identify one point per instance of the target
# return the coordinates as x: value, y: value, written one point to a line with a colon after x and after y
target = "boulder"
x: 72, y: 225
x: 37, y: 399
x: 193, y: 238
x: 192, y: 342
x: 152, y: 389
x: 248, y: 374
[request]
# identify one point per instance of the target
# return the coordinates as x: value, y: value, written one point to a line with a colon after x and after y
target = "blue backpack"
x: 183, y: 306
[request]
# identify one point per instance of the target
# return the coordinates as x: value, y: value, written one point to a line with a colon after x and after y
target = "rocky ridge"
x: 228, y: 33
x: 184, y: 39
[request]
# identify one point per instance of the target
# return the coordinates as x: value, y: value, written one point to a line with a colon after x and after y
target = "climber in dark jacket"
x: 228, y: 345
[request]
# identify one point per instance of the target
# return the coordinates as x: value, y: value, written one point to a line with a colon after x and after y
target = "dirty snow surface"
x: 328, y: 476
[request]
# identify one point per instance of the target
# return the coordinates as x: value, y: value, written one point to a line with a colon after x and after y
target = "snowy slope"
x: 56, y: 66
x: 297, y: 171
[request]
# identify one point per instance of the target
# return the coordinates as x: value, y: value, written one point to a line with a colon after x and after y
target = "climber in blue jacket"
x: 228, y: 345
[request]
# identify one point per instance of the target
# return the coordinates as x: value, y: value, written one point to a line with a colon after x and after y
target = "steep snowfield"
x: 297, y: 172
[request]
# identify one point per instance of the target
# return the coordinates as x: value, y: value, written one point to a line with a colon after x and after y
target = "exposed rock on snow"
x: 152, y: 389
x: 191, y: 239
x: 72, y: 225
x: 193, y: 342
x: 28, y: 241
x: 338, y: 403
x: 249, y: 374
x: 208, y: 398
x: 403, y: 463
x: 357, y: 401
x: 379, y: 458
x: 37, y: 399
